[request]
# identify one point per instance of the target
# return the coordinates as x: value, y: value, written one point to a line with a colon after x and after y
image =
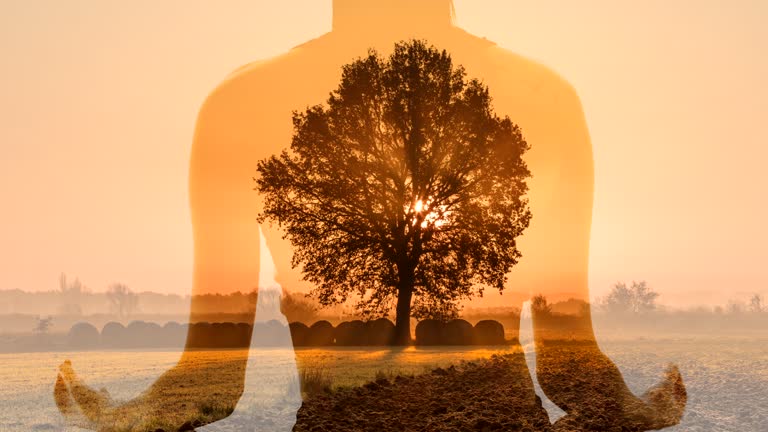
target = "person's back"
x: 248, y: 118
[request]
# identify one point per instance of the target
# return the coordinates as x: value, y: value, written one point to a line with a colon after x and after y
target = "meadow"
x: 726, y: 378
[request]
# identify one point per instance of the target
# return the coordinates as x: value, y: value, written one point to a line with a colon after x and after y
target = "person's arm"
x: 570, y: 367
x: 226, y: 242
x: 223, y: 204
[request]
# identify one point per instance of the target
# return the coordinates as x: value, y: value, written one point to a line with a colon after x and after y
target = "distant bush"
x: 623, y: 299
x: 298, y: 307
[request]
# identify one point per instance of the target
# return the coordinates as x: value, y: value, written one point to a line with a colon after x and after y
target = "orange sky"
x: 99, y: 99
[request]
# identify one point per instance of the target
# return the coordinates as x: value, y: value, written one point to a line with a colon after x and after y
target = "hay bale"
x: 269, y: 334
x: 260, y: 336
x: 83, y: 335
x: 143, y: 334
x: 299, y: 332
x: 351, y: 333
x: 113, y: 335
x: 320, y: 334
x: 489, y: 332
x: 173, y: 334
x: 279, y: 334
x: 430, y: 332
x: 380, y: 332
x: 134, y: 334
x: 458, y: 332
x: 200, y: 335
x: 243, y: 331
x: 225, y: 335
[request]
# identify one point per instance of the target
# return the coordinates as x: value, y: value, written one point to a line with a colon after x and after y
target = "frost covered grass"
x: 726, y: 379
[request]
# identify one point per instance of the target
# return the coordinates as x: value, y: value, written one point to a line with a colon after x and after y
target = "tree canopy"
x: 405, y: 188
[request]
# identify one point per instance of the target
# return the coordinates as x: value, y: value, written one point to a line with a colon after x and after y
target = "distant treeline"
x: 71, y: 302
x: 21, y: 313
x: 19, y: 310
x: 657, y: 324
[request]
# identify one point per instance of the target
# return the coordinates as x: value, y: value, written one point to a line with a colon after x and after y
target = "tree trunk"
x: 403, y: 311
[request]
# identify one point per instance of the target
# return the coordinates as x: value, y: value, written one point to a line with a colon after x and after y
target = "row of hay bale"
x: 137, y: 334
x: 380, y: 332
x: 348, y: 333
x: 140, y: 334
x: 459, y: 332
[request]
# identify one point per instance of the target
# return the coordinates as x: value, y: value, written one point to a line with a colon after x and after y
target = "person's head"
x: 365, y: 13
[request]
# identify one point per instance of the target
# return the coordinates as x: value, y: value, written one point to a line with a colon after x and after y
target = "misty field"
x: 727, y: 379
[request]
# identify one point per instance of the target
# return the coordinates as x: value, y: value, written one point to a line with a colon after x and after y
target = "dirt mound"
x: 488, y: 395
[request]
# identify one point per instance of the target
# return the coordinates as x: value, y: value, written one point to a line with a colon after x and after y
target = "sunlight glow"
x: 436, y: 218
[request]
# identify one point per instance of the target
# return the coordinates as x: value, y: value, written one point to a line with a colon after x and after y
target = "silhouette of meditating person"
x: 248, y: 118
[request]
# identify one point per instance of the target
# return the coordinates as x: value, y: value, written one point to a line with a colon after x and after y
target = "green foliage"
x: 406, y: 182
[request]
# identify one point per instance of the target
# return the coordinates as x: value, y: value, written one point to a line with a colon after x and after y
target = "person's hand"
x: 589, y: 387
x: 80, y: 405
x: 202, y: 388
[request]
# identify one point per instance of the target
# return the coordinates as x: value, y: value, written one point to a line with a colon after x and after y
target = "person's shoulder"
x: 262, y: 74
x: 508, y: 63
x: 545, y: 79
x: 277, y: 64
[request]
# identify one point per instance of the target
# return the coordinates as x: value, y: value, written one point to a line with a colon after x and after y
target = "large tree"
x: 405, y: 188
